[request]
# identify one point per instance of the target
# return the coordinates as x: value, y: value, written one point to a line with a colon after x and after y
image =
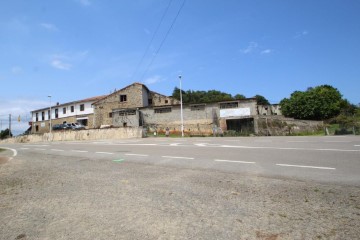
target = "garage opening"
x: 245, y: 126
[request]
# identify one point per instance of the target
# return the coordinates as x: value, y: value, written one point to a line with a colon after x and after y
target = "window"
x: 82, y: 107
x: 127, y: 112
x: 198, y: 107
x: 72, y: 108
x: 49, y: 114
x: 229, y: 105
x: 110, y: 115
x: 162, y: 110
x: 166, y: 101
x: 123, y: 98
x: 64, y: 110
x: 42, y: 116
x: 37, y: 117
x: 150, y: 101
x: 56, y: 113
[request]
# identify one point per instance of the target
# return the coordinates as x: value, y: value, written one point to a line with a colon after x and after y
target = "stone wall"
x: 104, y: 108
x: 281, y: 126
x: 70, y: 135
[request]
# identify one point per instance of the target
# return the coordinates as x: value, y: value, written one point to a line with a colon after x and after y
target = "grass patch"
x: 2, y: 150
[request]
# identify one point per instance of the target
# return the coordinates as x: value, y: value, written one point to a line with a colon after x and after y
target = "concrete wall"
x: 68, y: 135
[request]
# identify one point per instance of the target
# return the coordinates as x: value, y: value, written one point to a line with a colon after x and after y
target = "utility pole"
x: 9, y: 125
x: 181, y: 110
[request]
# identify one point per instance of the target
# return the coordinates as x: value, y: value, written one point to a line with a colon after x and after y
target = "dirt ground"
x: 54, y: 197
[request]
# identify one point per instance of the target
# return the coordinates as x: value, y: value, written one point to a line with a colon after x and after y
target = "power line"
x: 163, y: 41
x: 152, y: 39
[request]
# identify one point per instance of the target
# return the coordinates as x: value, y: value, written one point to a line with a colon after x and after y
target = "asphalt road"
x: 323, y: 159
x: 172, y: 188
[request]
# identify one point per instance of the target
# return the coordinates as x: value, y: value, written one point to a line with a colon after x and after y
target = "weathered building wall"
x: 195, y: 121
x: 281, y: 126
x: 161, y: 100
x: 103, y: 109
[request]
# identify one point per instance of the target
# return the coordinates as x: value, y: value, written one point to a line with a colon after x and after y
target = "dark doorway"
x: 245, y: 125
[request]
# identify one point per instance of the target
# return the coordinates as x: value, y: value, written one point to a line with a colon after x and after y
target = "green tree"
x: 239, y: 96
x: 261, y: 100
x: 190, y: 96
x: 318, y: 103
x: 5, y: 133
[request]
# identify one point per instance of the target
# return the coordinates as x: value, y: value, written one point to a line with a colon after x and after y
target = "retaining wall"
x: 91, y: 134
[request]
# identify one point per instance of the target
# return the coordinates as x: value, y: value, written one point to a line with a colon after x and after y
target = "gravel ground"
x: 53, y: 197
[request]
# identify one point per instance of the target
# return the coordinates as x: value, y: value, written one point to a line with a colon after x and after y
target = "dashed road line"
x: 79, y: 151
x: 138, y: 155
x: 57, y: 150
x: 302, y: 166
x: 104, y: 153
x: 177, y: 157
x: 233, y: 161
x: 356, y: 145
x: 40, y: 149
x: 288, y: 148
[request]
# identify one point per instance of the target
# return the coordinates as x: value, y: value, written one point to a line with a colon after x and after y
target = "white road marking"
x: 57, y: 150
x: 79, y: 151
x: 40, y: 149
x: 174, y: 144
x: 13, y: 150
x: 301, y: 166
x: 287, y: 148
x: 134, y: 154
x: 201, y: 144
x: 337, y: 141
x: 177, y: 157
x: 28, y: 145
x: 104, y: 153
x: 356, y: 145
x: 232, y: 161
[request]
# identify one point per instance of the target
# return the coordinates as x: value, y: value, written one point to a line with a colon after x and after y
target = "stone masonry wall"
x: 69, y: 135
x: 104, y: 107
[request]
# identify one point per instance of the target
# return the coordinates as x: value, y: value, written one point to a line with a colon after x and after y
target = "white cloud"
x: 301, y: 34
x: 59, y: 64
x: 250, y: 48
x: 153, y: 80
x: 49, y: 26
x: 266, y: 51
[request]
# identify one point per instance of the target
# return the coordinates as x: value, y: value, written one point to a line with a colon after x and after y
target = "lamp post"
x: 181, y: 110
x: 50, y: 115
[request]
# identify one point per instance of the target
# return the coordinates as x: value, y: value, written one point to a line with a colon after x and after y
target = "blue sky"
x: 75, y: 49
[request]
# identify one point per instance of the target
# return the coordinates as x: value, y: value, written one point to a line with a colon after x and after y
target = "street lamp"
x: 181, y: 110
x: 50, y: 114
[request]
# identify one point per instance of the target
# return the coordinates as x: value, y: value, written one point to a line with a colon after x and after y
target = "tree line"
x: 322, y: 102
x: 193, y: 97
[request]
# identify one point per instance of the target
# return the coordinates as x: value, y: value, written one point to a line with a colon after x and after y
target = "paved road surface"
x: 193, y: 188
x: 323, y: 159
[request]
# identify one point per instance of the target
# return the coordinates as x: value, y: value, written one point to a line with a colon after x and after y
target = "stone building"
x: 136, y: 106
x: 126, y: 102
